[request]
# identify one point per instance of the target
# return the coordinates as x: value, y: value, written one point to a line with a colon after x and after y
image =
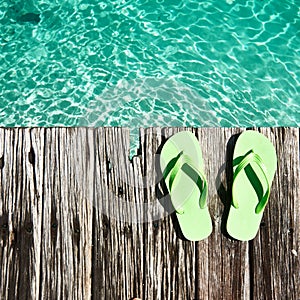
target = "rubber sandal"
x: 182, y: 167
x: 254, y: 167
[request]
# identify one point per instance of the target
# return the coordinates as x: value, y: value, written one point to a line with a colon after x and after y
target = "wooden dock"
x: 79, y: 220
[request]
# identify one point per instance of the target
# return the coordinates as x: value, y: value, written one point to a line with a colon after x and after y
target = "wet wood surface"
x: 80, y: 220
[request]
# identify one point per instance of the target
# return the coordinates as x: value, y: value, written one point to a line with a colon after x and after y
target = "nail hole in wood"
x: 262, y: 224
x: 28, y: 228
x: 108, y: 165
x: 4, y: 225
x: 128, y: 231
x: 31, y: 156
x: 120, y: 191
x: 1, y: 162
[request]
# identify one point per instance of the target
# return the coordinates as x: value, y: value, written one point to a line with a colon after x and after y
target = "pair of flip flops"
x: 254, y: 165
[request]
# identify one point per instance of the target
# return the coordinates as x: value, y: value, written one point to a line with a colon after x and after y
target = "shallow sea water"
x: 142, y: 63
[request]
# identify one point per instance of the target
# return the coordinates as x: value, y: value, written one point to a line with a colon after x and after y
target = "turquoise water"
x: 141, y: 63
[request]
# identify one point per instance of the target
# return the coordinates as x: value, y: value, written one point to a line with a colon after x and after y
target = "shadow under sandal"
x: 254, y: 167
x: 182, y: 167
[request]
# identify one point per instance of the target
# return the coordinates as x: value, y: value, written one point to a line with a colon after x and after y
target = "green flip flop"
x: 182, y: 167
x: 254, y: 167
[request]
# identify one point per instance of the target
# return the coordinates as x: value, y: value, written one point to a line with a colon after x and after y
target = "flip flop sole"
x: 243, y: 222
x: 195, y: 223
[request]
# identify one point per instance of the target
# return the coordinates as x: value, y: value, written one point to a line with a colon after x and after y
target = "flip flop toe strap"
x: 185, y: 163
x: 252, y: 157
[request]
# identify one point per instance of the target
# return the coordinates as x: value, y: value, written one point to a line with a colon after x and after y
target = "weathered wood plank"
x: 67, y: 214
x: 112, y: 249
x: 223, y: 262
x: 275, y: 252
x: 20, y: 214
x: 169, y: 261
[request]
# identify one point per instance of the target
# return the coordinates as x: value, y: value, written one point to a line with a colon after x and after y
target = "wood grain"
x: 274, y: 253
x: 67, y: 214
x: 20, y: 216
x: 226, y: 269
x: 80, y: 220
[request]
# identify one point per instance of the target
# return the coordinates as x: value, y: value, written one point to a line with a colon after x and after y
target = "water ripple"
x: 145, y: 63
